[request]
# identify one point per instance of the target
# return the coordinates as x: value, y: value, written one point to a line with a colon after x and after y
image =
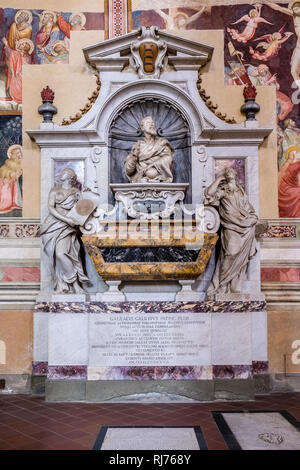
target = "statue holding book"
x: 60, y: 233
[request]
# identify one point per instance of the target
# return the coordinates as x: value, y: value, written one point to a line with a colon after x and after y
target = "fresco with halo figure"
x: 261, y: 46
x: 35, y: 37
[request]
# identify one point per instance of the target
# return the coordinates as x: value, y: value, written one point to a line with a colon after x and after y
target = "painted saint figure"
x: 47, y: 35
x: 261, y: 75
x: 252, y: 20
x: 15, y: 59
x: 271, y: 46
x: 289, y: 184
x: 238, y: 245
x: 10, y: 173
x: 20, y: 28
x: 59, y: 234
x: 151, y: 159
x: 60, y: 53
x: 77, y: 22
x: 288, y: 137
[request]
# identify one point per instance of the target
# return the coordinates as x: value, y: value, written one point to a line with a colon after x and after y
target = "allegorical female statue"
x: 238, y: 244
x: 60, y: 235
x: 151, y: 159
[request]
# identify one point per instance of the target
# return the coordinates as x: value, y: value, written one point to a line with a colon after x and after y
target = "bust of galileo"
x: 151, y: 159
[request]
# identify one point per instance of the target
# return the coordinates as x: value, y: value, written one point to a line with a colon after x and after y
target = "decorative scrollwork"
x: 96, y: 154
x: 207, y: 216
x: 209, y: 103
x: 202, y: 154
x: 211, y: 220
x: 93, y: 224
x: 91, y: 101
x: 203, y: 160
x: 169, y: 199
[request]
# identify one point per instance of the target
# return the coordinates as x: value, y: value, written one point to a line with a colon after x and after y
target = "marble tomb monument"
x: 150, y: 267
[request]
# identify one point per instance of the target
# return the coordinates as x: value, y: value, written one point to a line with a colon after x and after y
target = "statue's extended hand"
x: 71, y: 222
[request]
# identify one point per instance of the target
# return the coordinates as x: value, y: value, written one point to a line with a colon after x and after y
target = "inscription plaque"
x: 150, y: 339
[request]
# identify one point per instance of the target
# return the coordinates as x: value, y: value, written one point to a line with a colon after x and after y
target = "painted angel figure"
x: 271, y: 46
x: 252, y: 19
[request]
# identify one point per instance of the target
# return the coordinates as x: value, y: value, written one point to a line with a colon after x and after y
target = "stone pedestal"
x: 98, y: 351
x: 113, y: 294
x: 187, y: 294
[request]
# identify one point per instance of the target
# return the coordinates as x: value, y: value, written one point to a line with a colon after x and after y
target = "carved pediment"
x: 147, y: 51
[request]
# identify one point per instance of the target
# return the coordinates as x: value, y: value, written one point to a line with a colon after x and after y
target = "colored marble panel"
x: 260, y: 367
x: 280, y: 274
x: 149, y: 307
x: 42, y: 307
x: 19, y: 273
x: 150, y: 373
x: 67, y: 307
x: 237, y: 164
x: 39, y: 368
x: 67, y: 372
x: 147, y: 271
x: 232, y: 372
x: 76, y: 165
x: 280, y: 231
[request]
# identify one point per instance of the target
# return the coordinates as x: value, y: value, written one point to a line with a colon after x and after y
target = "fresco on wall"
x: 261, y: 46
x: 35, y: 37
x: 176, y: 18
x: 11, y: 166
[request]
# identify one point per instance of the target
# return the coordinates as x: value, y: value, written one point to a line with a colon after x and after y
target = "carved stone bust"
x: 151, y: 159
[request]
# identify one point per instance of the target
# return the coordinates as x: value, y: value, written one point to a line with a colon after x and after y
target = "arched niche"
x: 170, y: 123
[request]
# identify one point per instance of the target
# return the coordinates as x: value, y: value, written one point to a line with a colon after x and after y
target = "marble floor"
x: 29, y: 423
x: 157, y: 438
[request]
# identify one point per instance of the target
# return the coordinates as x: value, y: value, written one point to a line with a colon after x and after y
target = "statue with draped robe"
x: 60, y: 232
x: 238, y: 244
x: 151, y: 159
